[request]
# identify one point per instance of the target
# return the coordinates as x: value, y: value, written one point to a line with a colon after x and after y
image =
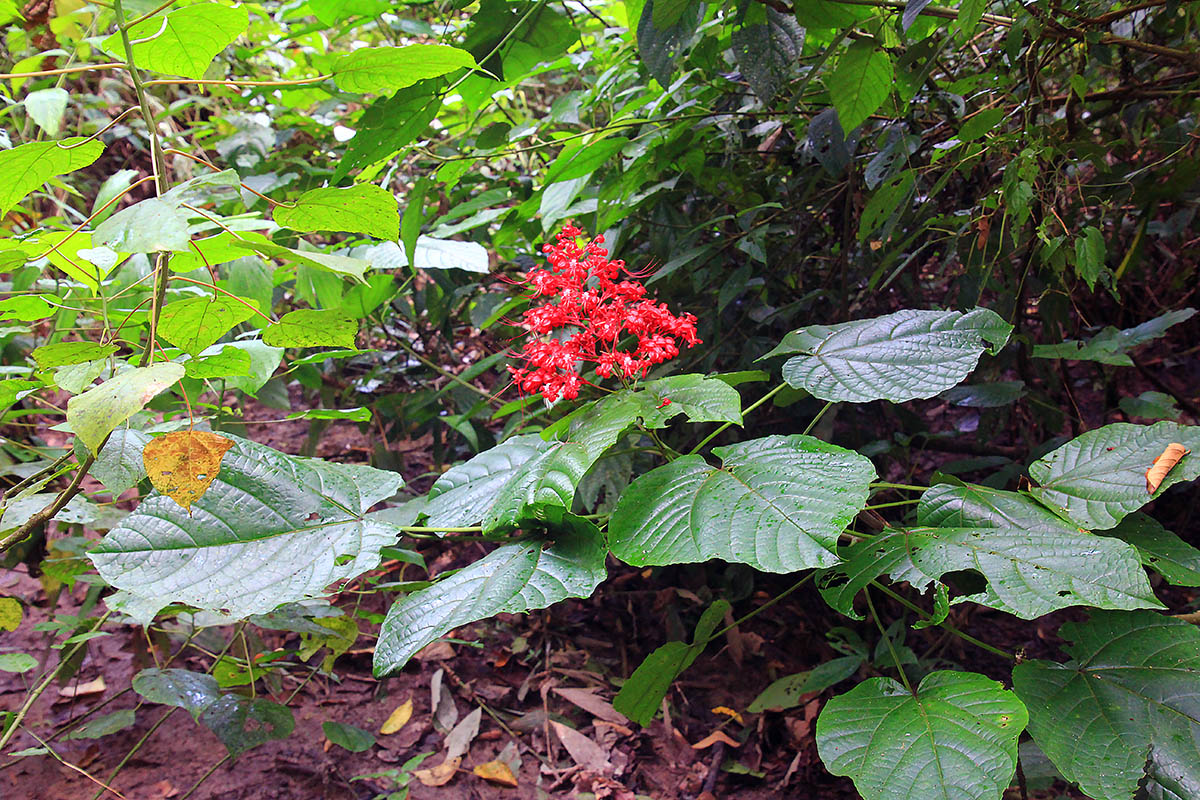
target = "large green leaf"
x: 383, y: 70
x: 242, y: 723
x: 348, y: 266
x: 119, y: 465
x: 1034, y: 562
x: 766, y: 52
x: 1095, y: 479
x: 149, y: 226
x: 463, y: 493
x: 955, y: 738
x: 1161, y: 550
x: 197, y: 323
x: 312, y: 327
x: 659, y: 48
x: 389, y: 124
x: 901, y: 356
x: 1126, y: 705
x: 362, y: 208
x: 191, y: 691
x: 271, y: 529
x: 511, y: 579
x: 183, y: 42
x: 28, y: 166
x: 860, y: 83
x: 777, y: 503
x: 97, y: 412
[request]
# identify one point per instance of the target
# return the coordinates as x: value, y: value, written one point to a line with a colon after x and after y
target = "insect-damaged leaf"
x: 183, y: 464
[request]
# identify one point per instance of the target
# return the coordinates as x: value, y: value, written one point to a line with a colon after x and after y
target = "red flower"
x: 591, y: 309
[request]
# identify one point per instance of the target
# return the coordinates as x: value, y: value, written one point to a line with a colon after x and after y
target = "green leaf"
x: 1111, y: 346
x: 1161, y: 550
x: 13, y: 389
x: 61, y: 354
x: 388, y: 125
x: 1034, y: 562
x: 860, y: 83
x: 197, y: 323
x: 901, y: 356
x: 659, y: 48
x: 307, y: 327
x: 512, y: 579
x: 430, y: 253
x: 97, y: 412
x: 270, y: 530
x: 46, y: 107
x: 541, y: 488
x: 584, y: 160
x: 970, y: 12
x: 463, y: 493
x: 350, y: 267
x: 119, y: 466
x: 766, y: 52
x: 787, y: 692
x: 383, y: 70
x: 955, y: 738
x: 224, y: 363
x: 104, y: 725
x: 26, y: 167
x: 981, y: 124
x: 264, y: 360
x: 1151, y: 405
x: 242, y: 723
x: 348, y: 737
x: 1090, y: 252
x: 778, y: 504
x: 75, y: 256
x: 10, y: 613
x: 888, y: 198
x: 183, y: 42
x: 353, y: 414
x: 1095, y: 479
x: 1125, y: 706
x: 414, y: 216
x: 191, y: 691
x: 26, y: 308
x: 209, y: 251
x: 148, y: 226
x: 17, y: 662
x: 829, y: 14
x: 362, y: 208
x: 642, y: 694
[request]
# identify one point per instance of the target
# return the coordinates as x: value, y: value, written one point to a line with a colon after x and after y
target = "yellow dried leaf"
x: 399, y: 718
x: 95, y: 686
x: 182, y: 465
x: 729, y: 712
x: 10, y: 613
x: 439, y: 775
x: 1163, y: 465
x: 713, y: 738
x: 497, y: 772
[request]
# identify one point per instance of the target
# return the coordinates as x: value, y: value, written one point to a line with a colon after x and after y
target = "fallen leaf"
x: 729, y: 712
x: 1163, y: 465
x: 439, y: 775
x: 399, y: 718
x: 445, y: 712
x: 435, y: 651
x: 583, y: 751
x: 80, y: 689
x: 713, y: 738
x: 496, y: 772
x: 593, y: 704
x: 458, y: 741
x: 183, y: 464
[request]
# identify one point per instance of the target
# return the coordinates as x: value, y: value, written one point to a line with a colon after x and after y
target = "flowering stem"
x: 745, y: 411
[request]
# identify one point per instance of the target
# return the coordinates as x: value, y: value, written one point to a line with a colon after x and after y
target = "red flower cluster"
x: 597, y: 308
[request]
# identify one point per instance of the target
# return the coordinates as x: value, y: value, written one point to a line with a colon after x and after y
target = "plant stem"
x: 745, y: 411
x: 906, y: 486
x: 966, y: 637
x: 41, y: 687
x: 205, y: 777
x: 813, y: 423
x: 888, y: 641
x: 764, y: 606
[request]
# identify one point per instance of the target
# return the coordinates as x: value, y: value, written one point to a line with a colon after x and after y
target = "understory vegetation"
x: 750, y: 398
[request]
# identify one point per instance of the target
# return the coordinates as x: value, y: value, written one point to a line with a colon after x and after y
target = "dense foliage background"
x: 308, y: 228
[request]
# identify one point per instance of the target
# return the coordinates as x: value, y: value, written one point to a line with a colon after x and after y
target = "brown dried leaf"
x: 1163, y: 465
x: 398, y: 718
x: 583, y: 751
x: 596, y: 706
x: 497, y: 772
x: 439, y: 775
x: 183, y: 464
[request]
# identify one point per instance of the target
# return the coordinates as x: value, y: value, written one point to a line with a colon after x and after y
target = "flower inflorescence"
x: 595, y: 306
